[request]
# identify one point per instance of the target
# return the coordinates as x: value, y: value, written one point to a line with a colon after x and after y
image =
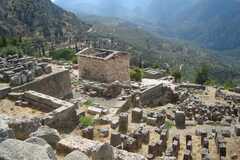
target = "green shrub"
x: 156, y: 66
x: 229, y: 85
x: 86, y: 121
x: 211, y: 82
x: 3, y: 42
x: 169, y: 124
x: 88, y: 103
x: 11, y: 50
x: 136, y: 74
x: 202, y: 75
x: 177, y: 75
x: 74, y: 60
x: 63, y: 54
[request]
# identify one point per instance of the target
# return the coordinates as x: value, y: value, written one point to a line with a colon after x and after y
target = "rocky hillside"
x: 155, y: 50
x: 37, y: 17
x: 209, y: 23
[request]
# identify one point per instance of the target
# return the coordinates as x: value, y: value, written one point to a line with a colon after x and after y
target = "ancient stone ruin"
x: 89, y: 112
x: 103, y: 65
x: 20, y: 70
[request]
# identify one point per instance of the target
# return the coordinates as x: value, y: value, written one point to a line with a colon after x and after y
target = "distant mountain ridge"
x: 212, y: 24
x: 37, y: 17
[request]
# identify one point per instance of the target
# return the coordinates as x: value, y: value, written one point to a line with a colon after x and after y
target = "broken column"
x: 123, y: 122
x: 137, y: 115
x: 180, y: 119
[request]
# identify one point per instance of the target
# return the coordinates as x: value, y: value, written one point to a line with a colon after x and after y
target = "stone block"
x: 123, y: 122
x: 137, y: 115
x: 180, y: 119
x: 115, y: 139
x: 88, y: 133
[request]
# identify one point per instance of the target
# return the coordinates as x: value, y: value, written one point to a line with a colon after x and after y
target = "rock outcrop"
x: 18, y: 150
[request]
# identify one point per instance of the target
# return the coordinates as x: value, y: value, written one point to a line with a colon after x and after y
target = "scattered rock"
x: 48, y: 134
x: 76, y: 155
x: 18, y: 150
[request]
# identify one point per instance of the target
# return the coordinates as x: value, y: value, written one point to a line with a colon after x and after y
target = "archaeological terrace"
x: 94, y: 112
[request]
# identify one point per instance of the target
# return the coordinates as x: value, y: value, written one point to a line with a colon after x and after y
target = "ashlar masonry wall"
x: 115, y: 67
x: 56, y: 84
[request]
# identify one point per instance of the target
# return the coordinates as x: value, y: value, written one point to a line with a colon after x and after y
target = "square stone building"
x: 103, y: 65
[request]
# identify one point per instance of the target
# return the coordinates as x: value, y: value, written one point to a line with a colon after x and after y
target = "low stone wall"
x: 63, y: 114
x: 60, y: 115
x: 88, y: 147
x: 158, y: 95
x: 42, y: 100
x: 57, y: 84
x: 192, y: 86
x: 4, y: 91
x: 228, y: 96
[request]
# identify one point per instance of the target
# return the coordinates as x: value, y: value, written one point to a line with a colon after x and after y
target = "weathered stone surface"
x: 4, y: 91
x: 114, y: 66
x: 113, y: 90
x: 24, y: 127
x: 129, y: 143
x: 237, y: 130
x: 88, y: 132
x: 50, y: 135
x: 76, y: 155
x: 88, y: 147
x: 56, y: 84
x: 41, y: 142
x: 114, y: 124
x: 105, y: 152
x: 137, y: 115
x: 36, y: 140
x: 180, y: 119
x: 158, y: 95
x: 19, y: 150
x: 104, y: 132
x: 123, y: 122
x: 95, y: 110
x: 227, y: 95
x: 5, y: 131
x: 62, y: 115
x: 115, y: 139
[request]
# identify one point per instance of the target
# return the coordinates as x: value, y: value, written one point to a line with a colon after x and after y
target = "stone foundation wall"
x: 158, y: 95
x: 62, y: 114
x: 104, y: 70
x: 4, y: 92
x: 56, y: 84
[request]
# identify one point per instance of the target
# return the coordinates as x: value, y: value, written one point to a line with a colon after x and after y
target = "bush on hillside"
x: 136, y: 74
x: 86, y: 121
x: 177, y: 75
x: 202, y: 75
x: 67, y: 54
x: 229, y: 85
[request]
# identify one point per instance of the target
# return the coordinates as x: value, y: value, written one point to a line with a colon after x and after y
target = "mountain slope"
x: 154, y: 50
x: 213, y: 23
x: 37, y: 17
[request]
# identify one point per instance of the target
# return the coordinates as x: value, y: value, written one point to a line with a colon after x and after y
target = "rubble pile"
x: 19, y: 70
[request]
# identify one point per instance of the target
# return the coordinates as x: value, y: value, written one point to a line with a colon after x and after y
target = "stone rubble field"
x: 153, y: 119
